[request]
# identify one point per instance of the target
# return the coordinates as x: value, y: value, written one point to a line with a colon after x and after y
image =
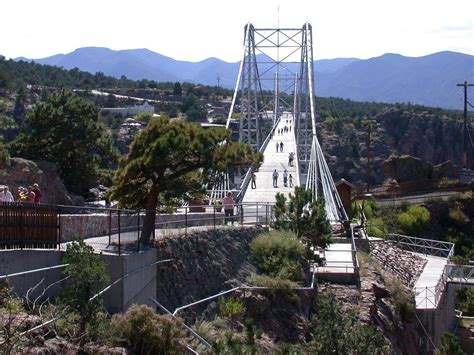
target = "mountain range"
x: 428, y: 80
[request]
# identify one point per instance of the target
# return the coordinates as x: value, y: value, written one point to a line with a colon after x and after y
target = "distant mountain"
x: 430, y: 80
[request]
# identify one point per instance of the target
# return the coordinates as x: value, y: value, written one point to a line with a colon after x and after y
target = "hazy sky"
x: 197, y: 29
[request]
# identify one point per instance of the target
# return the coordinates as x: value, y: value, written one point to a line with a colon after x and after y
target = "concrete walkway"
x: 338, y: 259
x: 425, y: 286
x: 265, y: 192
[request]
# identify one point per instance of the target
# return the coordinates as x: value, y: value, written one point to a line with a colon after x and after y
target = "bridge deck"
x: 425, y: 285
x: 265, y: 192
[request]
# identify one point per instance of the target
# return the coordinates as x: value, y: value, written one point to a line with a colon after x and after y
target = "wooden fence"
x: 24, y: 225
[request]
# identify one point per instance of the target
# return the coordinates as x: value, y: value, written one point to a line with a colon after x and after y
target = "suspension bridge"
x: 274, y: 103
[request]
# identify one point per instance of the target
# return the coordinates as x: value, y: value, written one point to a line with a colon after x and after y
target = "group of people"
x: 285, y: 129
x: 279, y: 146
x: 287, y: 178
x: 32, y: 194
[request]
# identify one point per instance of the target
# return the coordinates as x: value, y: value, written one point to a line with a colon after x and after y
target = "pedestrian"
x: 281, y: 147
x: 290, y: 159
x: 291, y: 180
x: 30, y: 195
x: 229, y: 204
x: 38, y: 193
x: 285, y: 178
x: 277, y: 146
x: 290, y: 128
x: 275, y: 178
x: 20, y: 193
x: 6, y: 195
x: 254, y: 180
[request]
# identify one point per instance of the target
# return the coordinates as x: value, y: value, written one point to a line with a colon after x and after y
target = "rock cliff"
x: 22, y: 172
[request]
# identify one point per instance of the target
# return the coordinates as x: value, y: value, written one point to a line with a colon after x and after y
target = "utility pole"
x: 465, y: 133
x: 369, y: 173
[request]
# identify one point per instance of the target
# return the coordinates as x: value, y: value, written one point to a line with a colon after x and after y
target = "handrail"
x: 427, y: 245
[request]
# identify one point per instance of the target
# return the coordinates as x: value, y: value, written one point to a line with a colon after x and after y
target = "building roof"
x: 344, y: 181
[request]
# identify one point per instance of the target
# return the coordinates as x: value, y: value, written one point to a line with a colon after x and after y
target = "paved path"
x: 425, y: 285
x: 265, y: 192
x: 338, y: 259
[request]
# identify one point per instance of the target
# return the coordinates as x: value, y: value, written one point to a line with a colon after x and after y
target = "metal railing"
x: 423, y: 246
x: 118, y: 230
x: 355, y: 259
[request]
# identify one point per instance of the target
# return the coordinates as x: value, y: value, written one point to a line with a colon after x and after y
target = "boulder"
x: 22, y: 172
x: 446, y: 170
x: 406, y: 168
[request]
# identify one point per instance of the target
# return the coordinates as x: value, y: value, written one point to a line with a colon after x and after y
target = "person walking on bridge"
x: 254, y: 180
x: 229, y: 204
x: 285, y: 178
x: 277, y: 146
x: 291, y: 180
x: 281, y: 147
x: 275, y: 178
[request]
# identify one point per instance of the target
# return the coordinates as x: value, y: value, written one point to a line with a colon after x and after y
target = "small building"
x: 344, y: 189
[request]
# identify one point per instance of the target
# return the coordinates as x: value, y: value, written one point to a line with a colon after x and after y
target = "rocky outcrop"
x: 378, y: 307
x: 376, y: 304
x: 406, y: 168
x: 405, y: 265
x: 22, y: 172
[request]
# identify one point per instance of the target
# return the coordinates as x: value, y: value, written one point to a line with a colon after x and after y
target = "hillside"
x: 429, y: 80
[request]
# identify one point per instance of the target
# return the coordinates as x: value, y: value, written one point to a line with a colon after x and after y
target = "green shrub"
x: 458, y: 216
x: 231, y: 307
x: 376, y: 227
x: 450, y: 345
x: 278, y: 254
x: 277, y: 287
x: 145, y: 332
x: 404, y: 301
x: 415, y: 220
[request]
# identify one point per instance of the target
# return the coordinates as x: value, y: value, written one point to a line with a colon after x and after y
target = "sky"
x: 194, y: 30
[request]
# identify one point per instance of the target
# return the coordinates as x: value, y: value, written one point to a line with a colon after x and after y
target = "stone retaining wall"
x: 405, y: 265
x: 205, y: 264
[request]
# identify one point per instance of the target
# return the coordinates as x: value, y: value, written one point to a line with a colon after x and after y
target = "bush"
x: 376, y: 227
x: 278, y: 254
x: 415, y: 220
x: 145, y: 332
x: 231, y: 307
x: 277, y: 287
x: 403, y: 301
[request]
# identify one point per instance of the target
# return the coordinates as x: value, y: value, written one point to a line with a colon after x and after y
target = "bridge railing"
x: 423, y: 246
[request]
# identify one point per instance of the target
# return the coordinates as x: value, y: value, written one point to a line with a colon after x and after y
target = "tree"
x: 177, y: 89
x: 144, y: 117
x: 305, y: 217
x: 87, y: 275
x: 19, y: 110
x: 66, y: 130
x: 334, y: 331
x: 172, y: 159
x: 450, y: 345
x: 415, y: 220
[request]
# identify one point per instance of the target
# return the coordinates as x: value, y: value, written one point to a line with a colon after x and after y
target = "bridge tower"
x: 276, y: 80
